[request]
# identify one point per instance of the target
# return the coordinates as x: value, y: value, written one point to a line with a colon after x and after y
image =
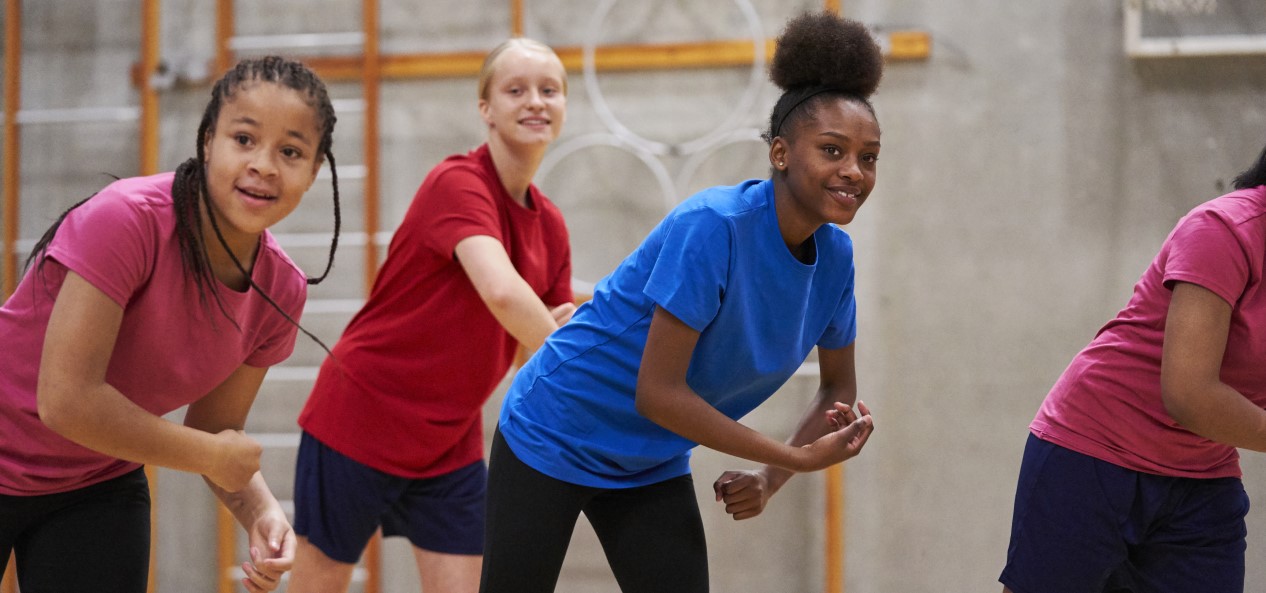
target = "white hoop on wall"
x: 657, y: 169
x: 697, y: 158
x: 741, y: 108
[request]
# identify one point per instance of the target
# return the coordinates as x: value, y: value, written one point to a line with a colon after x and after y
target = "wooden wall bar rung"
x: 900, y: 45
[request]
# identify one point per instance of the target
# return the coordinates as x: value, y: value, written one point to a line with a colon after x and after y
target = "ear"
x: 778, y: 153
x: 485, y: 112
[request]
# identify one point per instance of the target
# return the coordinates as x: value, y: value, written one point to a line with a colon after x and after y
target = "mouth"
x: 256, y: 194
x: 534, y: 122
x: 847, y: 197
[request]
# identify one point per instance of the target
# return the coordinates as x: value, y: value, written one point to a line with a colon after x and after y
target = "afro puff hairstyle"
x: 820, y: 54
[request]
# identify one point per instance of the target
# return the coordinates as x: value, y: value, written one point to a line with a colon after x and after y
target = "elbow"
x: 54, y: 411
x: 645, y: 404
x: 1177, y: 399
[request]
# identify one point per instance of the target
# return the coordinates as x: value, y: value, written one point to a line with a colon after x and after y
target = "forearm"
x: 812, y: 426
x: 1220, y: 413
x: 249, y: 503
x: 688, y: 415
x: 522, y: 314
x: 104, y: 420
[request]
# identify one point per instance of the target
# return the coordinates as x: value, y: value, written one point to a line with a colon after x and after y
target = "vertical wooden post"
x: 224, y: 30
x: 370, y: 80
x: 150, y: 33
x: 834, y: 552
x: 516, y: 18
x: 12, y: 157
x: 225, y: 549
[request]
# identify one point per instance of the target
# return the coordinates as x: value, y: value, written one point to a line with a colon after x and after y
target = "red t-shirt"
x: 1108, y: 403
x: 404, y: 390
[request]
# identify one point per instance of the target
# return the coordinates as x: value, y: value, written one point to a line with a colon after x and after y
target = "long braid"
x: 338, y: 221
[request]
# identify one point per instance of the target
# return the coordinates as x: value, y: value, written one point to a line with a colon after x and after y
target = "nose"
x: 850, y: 169
x: 535, y: 99
x: 263, y: 163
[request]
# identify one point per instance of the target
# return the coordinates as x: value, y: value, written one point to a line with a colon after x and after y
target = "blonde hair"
x: 489, y: 67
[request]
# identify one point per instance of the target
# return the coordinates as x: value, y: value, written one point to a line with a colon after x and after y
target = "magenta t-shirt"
x: 171, y: 349
x: 1108, y: 403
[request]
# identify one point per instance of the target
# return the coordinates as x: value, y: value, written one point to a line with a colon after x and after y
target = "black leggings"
x: 652, y: 535
x: 92, y: 539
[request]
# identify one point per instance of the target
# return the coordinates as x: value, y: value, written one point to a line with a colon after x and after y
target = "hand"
x: 235, y: 462
x: 848, y: 436
x: 272, y: 548
x: 744, y: 492
x: 562, y: 313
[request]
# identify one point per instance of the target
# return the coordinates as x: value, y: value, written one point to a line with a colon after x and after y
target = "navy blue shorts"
x: 339, y: 503
x: 1083, y: 525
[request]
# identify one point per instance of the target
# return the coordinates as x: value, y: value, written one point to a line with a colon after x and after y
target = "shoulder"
x: 472, y: 167
x: 723, y: 205
x: 133, y: 197
x: 1241, y: 213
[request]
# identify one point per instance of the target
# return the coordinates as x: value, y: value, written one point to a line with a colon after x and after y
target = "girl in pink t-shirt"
x: 155, y: 293
x: 1130, y: 478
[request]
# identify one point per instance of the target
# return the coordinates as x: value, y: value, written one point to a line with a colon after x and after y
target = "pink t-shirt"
x: 404, y: 390
x: 171, y: 349
x: 1108, y: 404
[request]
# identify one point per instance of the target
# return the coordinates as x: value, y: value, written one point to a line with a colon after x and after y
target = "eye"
x: 242, y: 139
x: 832, y: 150
x: 514, y: 90
x: 870, y: 158
x: 291, y: 152
x: 549, y: 91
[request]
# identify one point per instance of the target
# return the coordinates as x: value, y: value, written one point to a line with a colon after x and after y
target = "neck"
x: 244, y: 248
x: 793, y: 223
x: 515, y: 166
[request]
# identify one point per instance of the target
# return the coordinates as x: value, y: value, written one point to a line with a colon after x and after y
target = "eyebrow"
x: 845, y: 137
x: 248, y: 120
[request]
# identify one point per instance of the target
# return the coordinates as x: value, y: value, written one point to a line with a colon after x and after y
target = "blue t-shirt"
x: 718, y: 263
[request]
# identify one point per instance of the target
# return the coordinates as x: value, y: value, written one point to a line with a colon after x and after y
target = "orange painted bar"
x: 224, y: 30
x: 834, y: 533
x: 225, y: 549
x: 12, y: 156
x: 150, y: 32
x: 516, y: 18
x: 371, y: 80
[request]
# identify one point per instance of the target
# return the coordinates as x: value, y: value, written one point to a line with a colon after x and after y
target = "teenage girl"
x: 704, y: 321
x: 155, y: 293
x: 480, y: 265
x: 1130, y: 479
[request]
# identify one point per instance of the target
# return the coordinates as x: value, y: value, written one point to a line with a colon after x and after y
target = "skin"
x: 524, y: 111
x: 1196, y: 330
x: 255, y: 135
x: 824, y: 170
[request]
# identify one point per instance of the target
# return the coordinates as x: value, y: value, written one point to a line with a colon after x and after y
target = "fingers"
x: 562, y: 313
x: 260, y: 578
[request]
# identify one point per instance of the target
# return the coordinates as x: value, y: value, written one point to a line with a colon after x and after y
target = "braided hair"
x: 1254, y: 175
x: 819, y: 56
x: 190, y: 191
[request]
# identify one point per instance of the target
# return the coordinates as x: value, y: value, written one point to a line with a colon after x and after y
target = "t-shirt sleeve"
x: 842, y: 330
x: 689, y: 276
x: 111, y: 242
x: 1205, y: 251
x: 457, y: 205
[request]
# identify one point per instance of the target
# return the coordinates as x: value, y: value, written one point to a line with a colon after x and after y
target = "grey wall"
x: 1030, y: 171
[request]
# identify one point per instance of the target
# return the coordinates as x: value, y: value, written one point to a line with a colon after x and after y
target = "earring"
x: 780, y: 163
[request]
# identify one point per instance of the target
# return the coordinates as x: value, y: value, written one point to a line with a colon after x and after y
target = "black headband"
x: 811, y: 93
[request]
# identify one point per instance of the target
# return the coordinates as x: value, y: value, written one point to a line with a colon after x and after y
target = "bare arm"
x: 745, y: 493
x: 507, y: 295
x: 664, y: 397
x: 75, y: 401
x: 1191, y: 386
x: 254, y: 506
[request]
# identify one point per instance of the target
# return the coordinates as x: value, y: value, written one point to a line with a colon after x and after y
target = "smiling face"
x: 260, y: 159
x: 526, y: 100
x: 826, y: 167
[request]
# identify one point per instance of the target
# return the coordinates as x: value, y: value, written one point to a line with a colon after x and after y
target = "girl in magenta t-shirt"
x: 1131, y: 478
x: 155, y: 293
x: 479, y: 266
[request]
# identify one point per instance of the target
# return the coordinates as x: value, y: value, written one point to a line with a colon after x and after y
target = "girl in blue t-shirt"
x: 704, y: 321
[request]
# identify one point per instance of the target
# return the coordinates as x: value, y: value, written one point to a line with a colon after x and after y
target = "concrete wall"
x: 1030, y: 171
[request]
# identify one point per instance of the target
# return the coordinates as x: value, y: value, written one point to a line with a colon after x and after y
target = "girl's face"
x: 261, y: 158
x: 526, y: 105
x: 830, y: 163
